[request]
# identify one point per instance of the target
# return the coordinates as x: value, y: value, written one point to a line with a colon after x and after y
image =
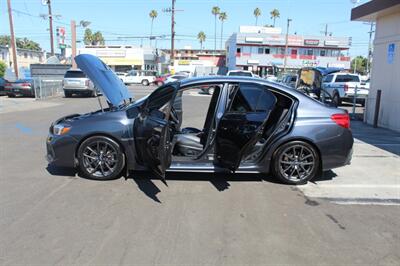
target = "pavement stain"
x: 333, y: 219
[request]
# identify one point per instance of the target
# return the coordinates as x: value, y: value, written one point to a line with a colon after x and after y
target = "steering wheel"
x: 174, y: 116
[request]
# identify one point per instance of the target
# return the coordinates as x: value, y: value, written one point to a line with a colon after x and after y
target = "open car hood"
x: 103, y: 78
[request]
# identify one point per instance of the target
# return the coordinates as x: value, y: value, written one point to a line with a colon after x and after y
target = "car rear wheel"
x: 67, y: 94
x: 100, y: 158
x: 296, y: 162
x: 336, y: 99
x: 145, y: 82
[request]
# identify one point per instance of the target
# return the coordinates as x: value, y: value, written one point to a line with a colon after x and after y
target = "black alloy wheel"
x: 100, y: 158
x: 296, y: 163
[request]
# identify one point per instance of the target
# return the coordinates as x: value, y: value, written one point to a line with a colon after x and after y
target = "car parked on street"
x: 2, y: 88
x: 140, y: 77
x: 342, y: 86
x: 240, y: 73
x: 252, y: 125
x: 20, y: 87
x: 76, y: 82
x: 160, y: 80
x: 289, y: 80
x: 174, y: 78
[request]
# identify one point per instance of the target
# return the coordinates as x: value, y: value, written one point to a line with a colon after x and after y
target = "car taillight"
x: 25, y: 84
x: 342, y: 120
x: 346, y: 87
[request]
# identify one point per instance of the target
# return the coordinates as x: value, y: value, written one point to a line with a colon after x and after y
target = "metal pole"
x: 286, y: 45
x: 73, y: 43
x: 377, y: 107
x: 369, y: 48
x: 173, y: 32
x: 354, y: 102
x: 51, y: 28
x: 13, y: 45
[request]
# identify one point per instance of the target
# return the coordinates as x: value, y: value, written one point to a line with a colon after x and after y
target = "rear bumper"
x: 20, y: 92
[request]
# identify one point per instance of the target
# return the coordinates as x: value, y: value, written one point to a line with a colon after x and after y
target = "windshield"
x: 347, y: 78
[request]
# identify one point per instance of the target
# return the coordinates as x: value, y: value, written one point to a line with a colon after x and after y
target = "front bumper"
x: 61, y: 150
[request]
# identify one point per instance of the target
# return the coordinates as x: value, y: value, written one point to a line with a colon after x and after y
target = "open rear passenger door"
x: 243, y: 123
x: 152, y: 131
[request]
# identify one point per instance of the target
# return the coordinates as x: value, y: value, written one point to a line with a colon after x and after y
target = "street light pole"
x: 368, y: 67
x: 173, y: 31
x: 73, y: 43
x: 286, y: 45
x: 13, y: 46
x: 51, y: 28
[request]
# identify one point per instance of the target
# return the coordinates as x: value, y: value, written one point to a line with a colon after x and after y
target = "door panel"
x: 152, y: 131
x: 243, y: 124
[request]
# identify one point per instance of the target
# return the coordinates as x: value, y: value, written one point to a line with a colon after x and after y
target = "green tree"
x: 215, y: 11
x: 257, y: 13
x: 3, y: 67
x: 23, y: 43
x: 359, y: 63
x: 201, y: 36
x: 93, y: 38
x: 222, y: 16
x: 275, y: 14
x: 153, y: 14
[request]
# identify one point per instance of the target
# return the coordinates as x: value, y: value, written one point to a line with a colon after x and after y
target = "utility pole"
x: 51, y: 27
x: 13, y: 46
x: 368, y: 66
x: 173, y: 32
x: 326, y: 29
x: 73, y: 43
x: 286, y: 45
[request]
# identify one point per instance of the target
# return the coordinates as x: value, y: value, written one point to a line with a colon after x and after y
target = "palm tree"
x: 202, y: 38
x: 274, y: 14
x: 222, y: 16
x: 153, y: 14
x: 257, y: 13
x: 215, y: 11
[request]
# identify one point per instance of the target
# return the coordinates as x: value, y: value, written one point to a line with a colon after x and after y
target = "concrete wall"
x: 385, y: 76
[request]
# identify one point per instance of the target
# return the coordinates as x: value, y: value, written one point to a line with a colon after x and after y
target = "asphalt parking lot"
x: 52, y: 216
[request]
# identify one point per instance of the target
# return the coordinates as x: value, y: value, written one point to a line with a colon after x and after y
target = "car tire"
x: 336, y: 99
x: 100, y: 158
x: 145, y: 82
x: 210, y: 90
x: 10, y: 95
x: 67, y: 94
x: 296, y: 163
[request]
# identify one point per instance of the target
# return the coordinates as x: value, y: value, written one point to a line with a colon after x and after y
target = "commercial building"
x: 125, y: 57
x: 197, y: 61
x: 262, y: 50
x: 385, y: 72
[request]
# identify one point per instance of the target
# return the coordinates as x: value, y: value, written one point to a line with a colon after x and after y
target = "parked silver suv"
x: 76, y: 82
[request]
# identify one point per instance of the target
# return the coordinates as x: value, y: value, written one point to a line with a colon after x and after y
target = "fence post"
x: 354, y: 102
x: 377, y: 107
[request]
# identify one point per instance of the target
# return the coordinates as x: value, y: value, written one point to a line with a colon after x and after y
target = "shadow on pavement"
x: 385, y: 139
x: 61, y: 171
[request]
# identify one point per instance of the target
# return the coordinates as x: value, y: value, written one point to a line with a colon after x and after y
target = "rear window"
x: 74, y: 74
x: 241, y: 74
x: 347, y: 78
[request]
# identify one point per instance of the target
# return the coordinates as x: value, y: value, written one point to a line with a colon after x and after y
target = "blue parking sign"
x: 391, y: 53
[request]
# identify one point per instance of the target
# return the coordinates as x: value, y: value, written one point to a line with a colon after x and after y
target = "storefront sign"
x: 183, y: 62
x: 311, y: 42
x: 254, y: 39
x: 252, y: 62
x: 331, y: 43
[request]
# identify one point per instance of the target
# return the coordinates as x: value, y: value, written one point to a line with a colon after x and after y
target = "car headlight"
x: 61, y: 129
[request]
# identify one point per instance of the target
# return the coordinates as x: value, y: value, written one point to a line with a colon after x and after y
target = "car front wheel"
x: 145, y: 82
x: 100, y: 158
x: 336, y: 99
x: 296, y: 162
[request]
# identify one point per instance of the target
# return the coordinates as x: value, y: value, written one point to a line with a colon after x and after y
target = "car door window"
x: 250, y: 98
x: 328, y: 79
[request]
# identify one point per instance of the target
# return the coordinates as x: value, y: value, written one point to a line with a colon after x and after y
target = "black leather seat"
x: 187, y: 144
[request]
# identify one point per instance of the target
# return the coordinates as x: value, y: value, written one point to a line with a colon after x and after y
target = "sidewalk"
x: 373, y: 176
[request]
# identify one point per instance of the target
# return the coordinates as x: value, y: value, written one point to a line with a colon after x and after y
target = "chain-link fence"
x: 47, y: 87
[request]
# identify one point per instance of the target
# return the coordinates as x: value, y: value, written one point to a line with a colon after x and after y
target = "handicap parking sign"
x: 391, y: 53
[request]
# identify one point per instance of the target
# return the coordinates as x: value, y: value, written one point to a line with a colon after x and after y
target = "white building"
x: 262, y: 49
x: 385, y: 72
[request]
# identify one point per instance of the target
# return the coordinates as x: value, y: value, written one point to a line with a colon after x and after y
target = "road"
x: 54, y: 217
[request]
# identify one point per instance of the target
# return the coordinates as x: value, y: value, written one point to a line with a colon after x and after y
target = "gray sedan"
x: 251, y: 125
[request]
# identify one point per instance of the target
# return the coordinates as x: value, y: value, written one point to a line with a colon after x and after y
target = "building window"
x: 322, y: 52
x: 260, y: 50
x: 238, y: 50
x: 267, y: 51
x: 309, y: 52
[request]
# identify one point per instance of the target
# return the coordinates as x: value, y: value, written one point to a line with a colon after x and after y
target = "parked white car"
x: 76, y: 82
x: 241, y: 73
x: 139, y: 77
x: 341, y: 86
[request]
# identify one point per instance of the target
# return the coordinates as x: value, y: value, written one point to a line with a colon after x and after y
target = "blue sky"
x: 123, y: 18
